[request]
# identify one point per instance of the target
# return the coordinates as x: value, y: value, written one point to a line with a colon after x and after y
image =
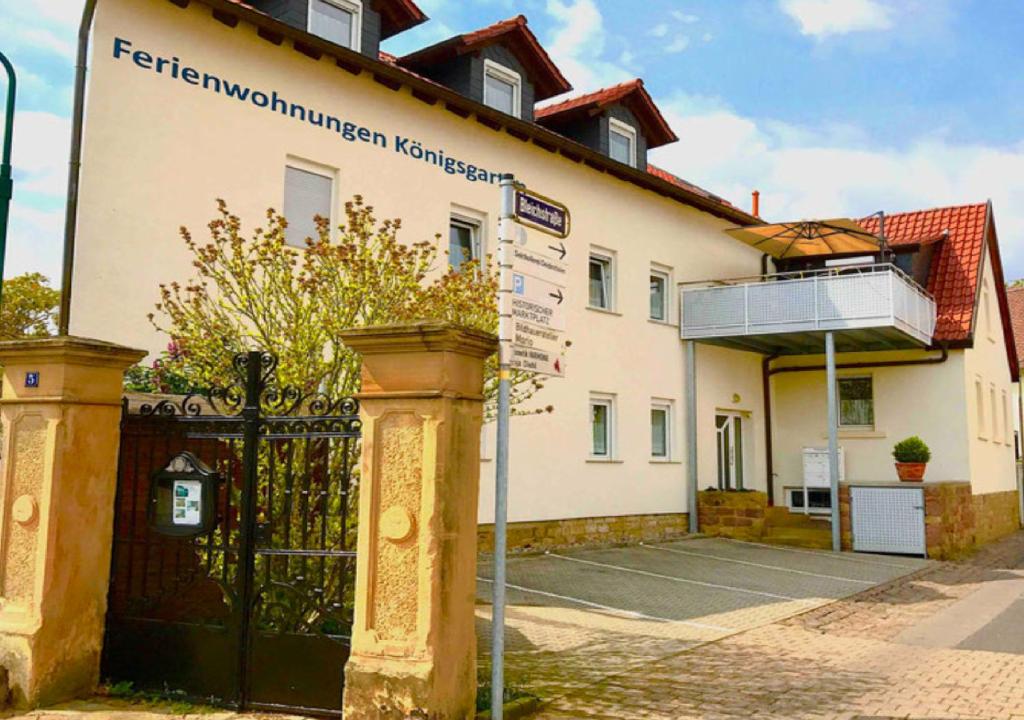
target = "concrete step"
x: 807, y: 537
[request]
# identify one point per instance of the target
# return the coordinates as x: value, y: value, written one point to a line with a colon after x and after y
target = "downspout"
x: 766, y: 364
x: 74, y: 166
x: 1019, y: 452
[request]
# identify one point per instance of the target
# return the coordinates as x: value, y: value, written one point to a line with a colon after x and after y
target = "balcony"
x: 867, y: 307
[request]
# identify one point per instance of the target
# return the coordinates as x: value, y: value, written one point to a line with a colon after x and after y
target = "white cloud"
x: 34, y: 242
x: 836, y: 171
x: 41, y: 145
x: 659, y: 30
x: 821, y: 18
x: 708, y: 37
x: 578, y: 45
x: 678, y: 44
x: 684, y: 17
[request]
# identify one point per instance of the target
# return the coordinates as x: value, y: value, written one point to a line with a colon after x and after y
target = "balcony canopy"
x: 806, y: 238
x: 866, y: 307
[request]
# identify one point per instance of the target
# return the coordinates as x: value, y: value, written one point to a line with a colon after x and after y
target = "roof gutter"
x: 74, y: 166
x: 862, y: 365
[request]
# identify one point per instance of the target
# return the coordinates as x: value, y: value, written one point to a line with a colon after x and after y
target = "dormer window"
x: 622, y: 142
x: 338, y: 21
x: 503, y: 88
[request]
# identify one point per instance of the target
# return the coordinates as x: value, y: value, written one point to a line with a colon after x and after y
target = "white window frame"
x: 355, y: 7
x: 611, y: 444
x: 477, y: 222
x: 667, y: 406
x: 1007, y: 423
x: 312, y: 168
x: 839, y: 397
x: 666, y: 303
x: 608, y: 259
x: 995, y: 412
x: 617, y: 127
x: 506, y: 75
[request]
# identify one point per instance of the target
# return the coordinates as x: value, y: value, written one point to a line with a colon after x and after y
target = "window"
x: 818, y: 499
x: 602, y: 281
x: 621, y: 142
x: 979, y: 401
x: 659, y: 295
x: 339, y: 21
x: 463, y: 241
x: 987, y: 311
x: 995, y: 412
x: 1006, y: 419
x: 306, y: 195
x: 602, y: 419
x: 502, y: 88
x: 661, y: 431
x: 856, y: 402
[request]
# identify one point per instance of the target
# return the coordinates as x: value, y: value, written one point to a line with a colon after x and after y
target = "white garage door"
x: 888, y: 520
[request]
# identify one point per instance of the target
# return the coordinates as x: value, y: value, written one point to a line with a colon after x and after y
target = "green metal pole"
x: 6, y: 181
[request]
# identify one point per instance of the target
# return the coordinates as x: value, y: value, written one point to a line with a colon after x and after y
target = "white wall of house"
x: 990, y: 408
x: 924, y: 400
x: 159, y: 150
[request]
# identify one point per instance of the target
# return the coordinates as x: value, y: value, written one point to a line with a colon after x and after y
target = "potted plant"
x: 911, y: 456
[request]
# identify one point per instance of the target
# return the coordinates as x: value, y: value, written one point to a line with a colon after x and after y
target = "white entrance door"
x: 888, y: 520
x: 729, y: 431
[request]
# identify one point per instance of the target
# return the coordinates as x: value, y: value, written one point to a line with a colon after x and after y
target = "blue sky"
x: 829, y: 107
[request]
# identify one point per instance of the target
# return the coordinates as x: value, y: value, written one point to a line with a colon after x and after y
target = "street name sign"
x: 542, y: 213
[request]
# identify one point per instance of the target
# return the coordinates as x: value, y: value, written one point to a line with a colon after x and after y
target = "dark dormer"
x: 502, y: 66
x: 621, y: 122
x: 356, y: 24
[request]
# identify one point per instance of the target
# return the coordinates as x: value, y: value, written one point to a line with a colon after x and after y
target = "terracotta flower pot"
x: 910, y: 472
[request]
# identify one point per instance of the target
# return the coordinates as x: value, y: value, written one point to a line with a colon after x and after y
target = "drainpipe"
x: 74, y: 166
x: 1019, y: 449
x: 833, y: 436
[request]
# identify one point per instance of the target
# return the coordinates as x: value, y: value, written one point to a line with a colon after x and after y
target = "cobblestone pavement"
x: 840, y: 660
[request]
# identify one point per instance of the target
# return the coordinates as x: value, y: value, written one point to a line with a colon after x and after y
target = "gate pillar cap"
x: 68, y: 349
x: 65, y: 368
x: 427, y: 358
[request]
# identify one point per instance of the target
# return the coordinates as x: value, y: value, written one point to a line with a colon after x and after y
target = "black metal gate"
x: 256, y: 611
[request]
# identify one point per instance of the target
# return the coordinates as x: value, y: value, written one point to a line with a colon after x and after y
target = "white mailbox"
x: 816, y: 473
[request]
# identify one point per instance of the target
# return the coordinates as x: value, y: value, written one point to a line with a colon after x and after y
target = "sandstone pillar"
x: 414, y: 642
x: 61, y: 410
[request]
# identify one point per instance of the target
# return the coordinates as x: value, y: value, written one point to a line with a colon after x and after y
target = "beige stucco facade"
x: 158, y: 151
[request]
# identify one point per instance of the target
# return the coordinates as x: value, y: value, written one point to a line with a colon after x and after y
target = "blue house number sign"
x: 32, y: 379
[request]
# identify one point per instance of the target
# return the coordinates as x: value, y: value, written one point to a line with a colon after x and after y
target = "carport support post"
x: 691, y: 434
x: 414, y: 636
x: 833, y: 441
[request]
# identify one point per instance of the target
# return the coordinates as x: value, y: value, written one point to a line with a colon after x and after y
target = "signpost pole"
x: 506, y: 236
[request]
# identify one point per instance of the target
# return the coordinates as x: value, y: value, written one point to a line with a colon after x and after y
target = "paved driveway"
x: 577, y: 617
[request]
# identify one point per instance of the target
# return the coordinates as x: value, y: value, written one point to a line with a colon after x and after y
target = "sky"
x: 831, y: 108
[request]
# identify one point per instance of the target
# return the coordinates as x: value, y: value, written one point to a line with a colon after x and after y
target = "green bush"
x: 912, y: 450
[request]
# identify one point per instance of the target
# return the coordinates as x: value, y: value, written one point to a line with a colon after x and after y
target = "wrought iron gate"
x: 256, y: 610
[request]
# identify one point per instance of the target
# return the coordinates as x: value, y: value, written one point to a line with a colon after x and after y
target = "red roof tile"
x: 1015, y: 299
x: 631, y: 94
x: 679, y: 182
x: 548, y: 80
x: 966, y: 231
x: 953, y: 279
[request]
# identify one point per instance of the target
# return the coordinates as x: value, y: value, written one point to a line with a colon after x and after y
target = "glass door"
x: 729, y: 436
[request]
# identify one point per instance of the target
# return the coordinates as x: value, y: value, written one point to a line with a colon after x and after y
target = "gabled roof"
x: 956, y: 268
x: 630, y: 94
x: 397, y: 16
x: 1015, y: 300
x: 686, y: 185
x: 515, y: 35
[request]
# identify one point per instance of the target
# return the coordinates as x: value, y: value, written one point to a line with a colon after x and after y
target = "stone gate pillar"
x: 414, y: 642
x: 61, y: 410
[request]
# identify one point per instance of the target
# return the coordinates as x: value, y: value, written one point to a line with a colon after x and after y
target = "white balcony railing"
x: 842, y: 298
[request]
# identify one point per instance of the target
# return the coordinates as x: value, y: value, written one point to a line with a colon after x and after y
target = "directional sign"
x: 543, y: 213
x: 528, y: 261
x: 539, y: 361
x: 538, y: 301
x: 534, y: 337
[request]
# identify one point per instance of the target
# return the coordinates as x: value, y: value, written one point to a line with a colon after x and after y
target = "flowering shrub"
x: 257, y: 291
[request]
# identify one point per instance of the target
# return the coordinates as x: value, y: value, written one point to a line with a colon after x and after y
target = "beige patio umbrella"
x: 805, y: 238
